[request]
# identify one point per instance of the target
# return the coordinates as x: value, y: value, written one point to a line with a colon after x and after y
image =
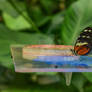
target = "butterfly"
x: 83, y: 45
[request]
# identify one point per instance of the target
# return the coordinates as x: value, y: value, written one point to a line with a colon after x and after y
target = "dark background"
x: 41, y: 22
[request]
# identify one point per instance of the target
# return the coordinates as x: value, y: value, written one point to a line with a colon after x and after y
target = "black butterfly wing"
x: 83, y: 43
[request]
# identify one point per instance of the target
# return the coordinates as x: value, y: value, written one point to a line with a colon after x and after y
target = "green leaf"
x: 4, y: 46
x: 16, y: 90
x: 79, y: 81
x: 88, y: 88
x: 38, y: 16
x: 77, y: 17
x: 6, y: 61
x: 19, y: 4
x: 88, y: 76
x: 56, y: 22
x: 17, y: 23
x: 8, y: 38
x: 49, y: 5
x: 5, y: 6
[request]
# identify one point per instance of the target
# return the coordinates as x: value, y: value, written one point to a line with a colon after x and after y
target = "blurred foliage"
x: 77, y: 17
x: 41, y: 22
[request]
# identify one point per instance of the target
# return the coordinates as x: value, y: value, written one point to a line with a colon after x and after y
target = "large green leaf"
x: 17, y: 23
x: 77, y: 17
x: 13, y: 14
x: 8, y: 38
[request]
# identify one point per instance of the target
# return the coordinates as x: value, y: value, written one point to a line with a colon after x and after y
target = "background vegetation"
x: 41, y: 22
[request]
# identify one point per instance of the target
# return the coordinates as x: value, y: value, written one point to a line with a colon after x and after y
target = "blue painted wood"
x: 66, y: 60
